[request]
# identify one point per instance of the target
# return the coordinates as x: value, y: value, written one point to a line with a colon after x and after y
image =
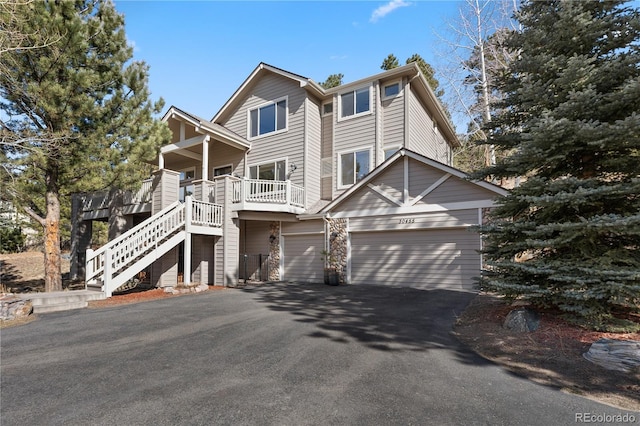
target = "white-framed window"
x: 187, y: 176
x: 222, y: 170
x: 353, y: 166
x: 388, y: 152
x: 391, y: 90
x: 355, y: 103
x: 273, y: 170
x: 268, y: 118
x: 327, y: 108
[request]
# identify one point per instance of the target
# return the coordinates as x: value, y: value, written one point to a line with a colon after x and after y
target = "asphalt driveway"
x: 286, y: 354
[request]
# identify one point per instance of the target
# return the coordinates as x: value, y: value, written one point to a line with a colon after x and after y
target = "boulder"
x: 619, y: 355
x: 522, y: 320
x: 13, y: 307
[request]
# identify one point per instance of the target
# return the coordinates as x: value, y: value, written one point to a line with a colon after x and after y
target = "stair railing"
x: 121, y: 252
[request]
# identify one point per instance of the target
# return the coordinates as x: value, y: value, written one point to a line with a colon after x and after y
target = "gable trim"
x: 384, y: 194
x: 430, y: 189
x: 422, y: 208
x: 410, y: 154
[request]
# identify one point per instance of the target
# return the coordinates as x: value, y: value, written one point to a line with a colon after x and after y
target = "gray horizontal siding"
x: 393, y: 121
x: 455, y: 190
x: 287, y: 144
x: 422, y: 177
x: 313, y: 154
x: 449, y: 219
x: 305, y: 226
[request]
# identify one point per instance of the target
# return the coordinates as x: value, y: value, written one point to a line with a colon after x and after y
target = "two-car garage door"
x: 419, y: 258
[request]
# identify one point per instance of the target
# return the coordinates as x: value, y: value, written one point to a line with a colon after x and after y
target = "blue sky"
x: 200, y: 52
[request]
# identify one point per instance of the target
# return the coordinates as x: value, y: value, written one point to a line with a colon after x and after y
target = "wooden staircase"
x: 118, y: 261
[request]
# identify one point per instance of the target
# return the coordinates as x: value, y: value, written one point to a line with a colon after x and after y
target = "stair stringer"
x: 142, y: 263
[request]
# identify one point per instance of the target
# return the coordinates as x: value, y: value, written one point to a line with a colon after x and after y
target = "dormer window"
x: 268, y: 118
x: 355, y: 102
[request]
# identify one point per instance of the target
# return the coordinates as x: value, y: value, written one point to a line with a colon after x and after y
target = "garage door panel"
x: 423, y: 258
x: 303, y: 258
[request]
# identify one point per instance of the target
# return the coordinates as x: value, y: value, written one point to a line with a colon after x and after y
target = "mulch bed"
x: 135, y: 296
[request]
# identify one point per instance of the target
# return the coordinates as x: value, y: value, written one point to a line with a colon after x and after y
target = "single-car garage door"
x: 303, y: 258
x: 417, y: 258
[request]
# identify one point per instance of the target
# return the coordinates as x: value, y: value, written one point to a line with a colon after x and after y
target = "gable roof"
x: 257, y: 73
x: 202, y: 125
x: 410, y: 154
x: 411, y: 70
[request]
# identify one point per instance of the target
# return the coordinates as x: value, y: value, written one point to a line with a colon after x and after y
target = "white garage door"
x: 423, y: 259
x: 303, y: 258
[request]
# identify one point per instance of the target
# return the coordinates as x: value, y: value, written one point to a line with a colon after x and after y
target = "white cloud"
x: 386, y: 9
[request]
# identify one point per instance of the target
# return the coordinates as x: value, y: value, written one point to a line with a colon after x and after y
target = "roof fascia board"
x: 390, y: 74
x: 205, y: 127
x: 303, y: 81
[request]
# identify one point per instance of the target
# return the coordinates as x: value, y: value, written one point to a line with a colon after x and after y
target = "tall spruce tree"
x: 569, y: 236
x: 79, y: 115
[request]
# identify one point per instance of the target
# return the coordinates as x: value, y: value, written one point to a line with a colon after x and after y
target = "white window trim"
x: 360, y: 114
x: 391, y: 83
x: 213, y: 169
x: 262, y: 105
x: 326, y: 114
x: 339, y: 184
x: 286, y: 166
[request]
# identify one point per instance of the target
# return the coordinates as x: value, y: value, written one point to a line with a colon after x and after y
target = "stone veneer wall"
x: 338, y: 246
x: 274, y: 251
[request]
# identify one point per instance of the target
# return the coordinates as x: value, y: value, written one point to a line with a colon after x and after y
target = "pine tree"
x: 569, y: 236
x: 79, y: 115
x: 334, y: 80
x: 390, y: 62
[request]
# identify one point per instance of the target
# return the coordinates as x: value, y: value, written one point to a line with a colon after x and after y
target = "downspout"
x: 327, y: 244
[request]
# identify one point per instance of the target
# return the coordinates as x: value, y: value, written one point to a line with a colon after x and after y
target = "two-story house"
x: 288, y: 180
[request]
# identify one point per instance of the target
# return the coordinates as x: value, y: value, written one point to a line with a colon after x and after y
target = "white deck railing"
x: 206, y: 214
x: 267, y: 191
x: 110, y: 262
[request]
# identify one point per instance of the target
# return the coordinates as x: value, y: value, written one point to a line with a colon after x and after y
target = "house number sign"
x: 406, y: 220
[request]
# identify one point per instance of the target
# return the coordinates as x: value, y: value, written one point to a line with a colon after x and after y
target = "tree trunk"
x: 52, y: 261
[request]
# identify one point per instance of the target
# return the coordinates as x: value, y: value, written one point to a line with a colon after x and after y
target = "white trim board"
x: 425, y: 208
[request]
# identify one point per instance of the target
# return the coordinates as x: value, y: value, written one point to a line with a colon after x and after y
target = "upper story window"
x: 327, y: 109
x: 268, y: 118
x: 275, y: 170
x: 356, y: 102
x: 353, y: 166
x: 391, y: 90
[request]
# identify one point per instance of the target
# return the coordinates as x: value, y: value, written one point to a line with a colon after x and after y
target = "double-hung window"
x: 275, y: 170
x: 268, y: 118
x: 355, y: 102
x: 353, y: 166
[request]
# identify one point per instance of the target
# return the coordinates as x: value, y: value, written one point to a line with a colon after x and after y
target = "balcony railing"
x: 258, y: 193
x: 100, y: 199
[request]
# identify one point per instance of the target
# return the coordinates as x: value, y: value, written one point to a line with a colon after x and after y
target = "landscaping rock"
x: 13, y: 307
x: 522, y: 320
x: 618, y: 355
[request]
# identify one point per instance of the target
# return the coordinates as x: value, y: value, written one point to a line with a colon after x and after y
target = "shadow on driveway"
x: 385, y: 318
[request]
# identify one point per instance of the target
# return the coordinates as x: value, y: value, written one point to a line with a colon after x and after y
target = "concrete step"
x: 61, y: 300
